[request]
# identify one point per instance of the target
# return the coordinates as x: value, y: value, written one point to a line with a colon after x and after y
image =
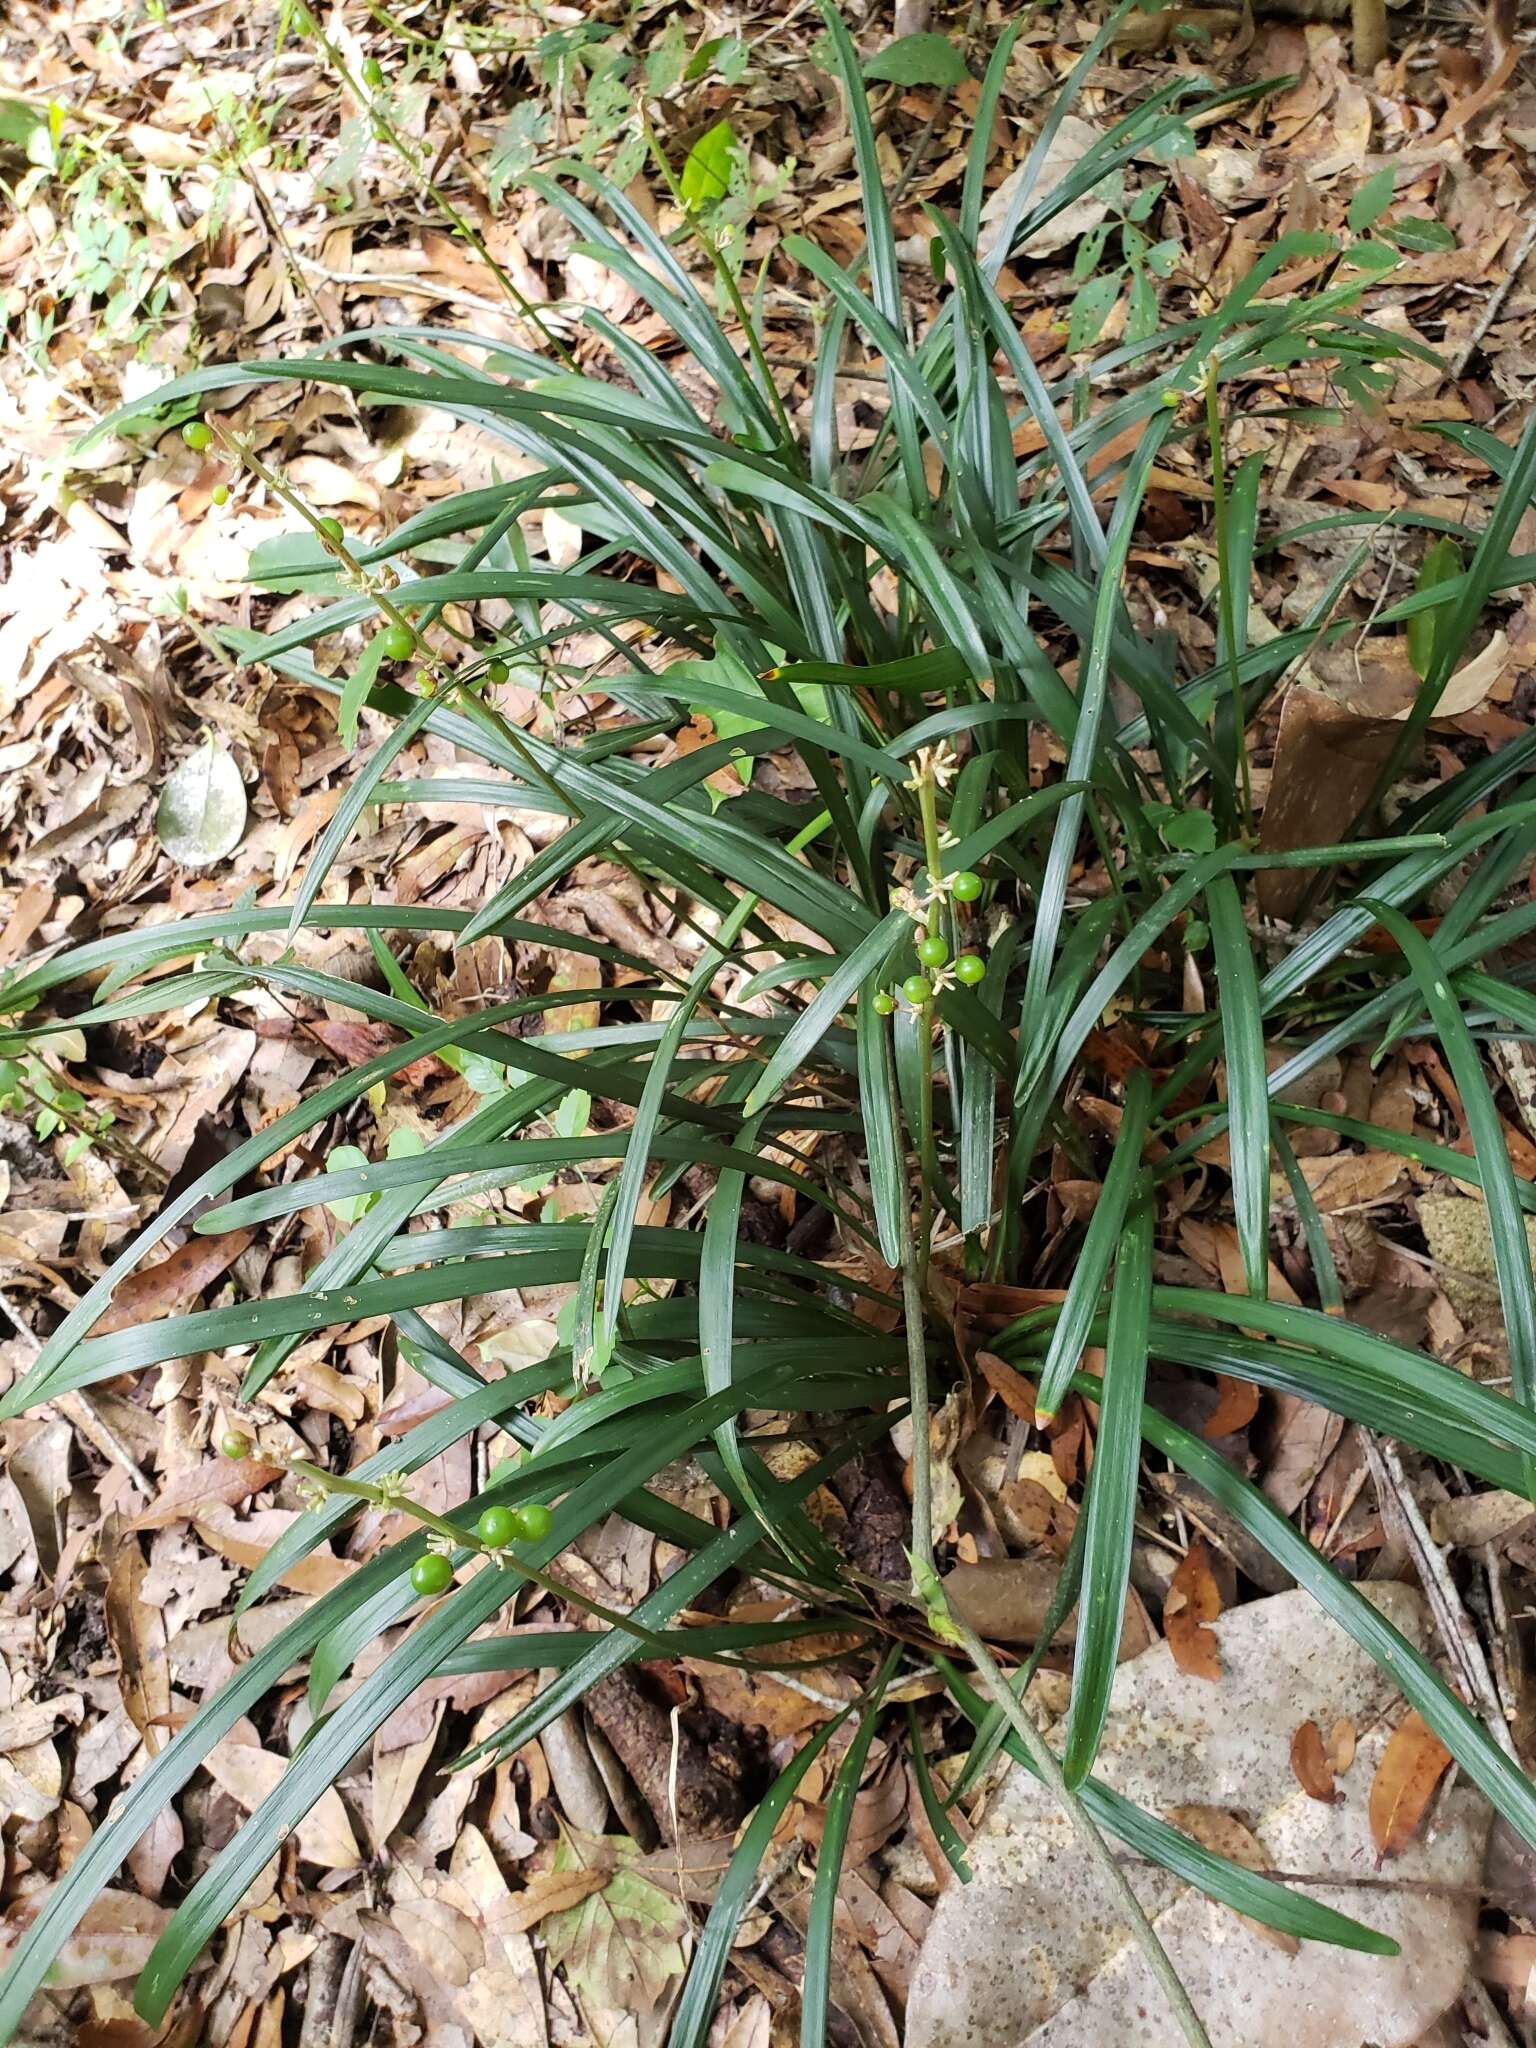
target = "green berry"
x: 234, y: 1443
x: 884, y: 1002
x: 373, y: 73
x: 533, y: 1521
x: 431, y: 1575
x: 933, y: 949
x: 220, y: 494
x: 497, y: 671
x: 966, y: 885
x: 496, y: 1527
x: 331, y: 528
x: 969, y: 968
x: 197, y: 434
x: 399, y: 643
x: 917, y: 988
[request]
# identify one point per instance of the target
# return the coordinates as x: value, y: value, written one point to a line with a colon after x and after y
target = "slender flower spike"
x: 937, y: 764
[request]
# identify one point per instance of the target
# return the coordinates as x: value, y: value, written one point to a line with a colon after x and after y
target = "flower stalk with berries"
x: 399, y: 640
x: 496, y: 1535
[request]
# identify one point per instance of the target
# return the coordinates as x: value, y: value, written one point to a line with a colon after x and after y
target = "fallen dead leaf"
x: 1412, y: 1765
x: 249, y: 1773
x: 1312, y: 1765
x: 1193, y: 1599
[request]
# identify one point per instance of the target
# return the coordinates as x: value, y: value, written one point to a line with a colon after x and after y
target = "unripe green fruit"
x: 966, y: 885
x: 969, y: 968
x: 533, y: 1521
x: 498, y: 671
x: 220, y: 494
x: 234, y: 1443
x: 373, y: 73
x: 933, y: 949
x: 884, y: 1002
x: 332, y: 528
x: 431, y: 1575
x: 496, y: 1527
x: 917, y: 988
x: 399, y: 643
x: 197, y: 434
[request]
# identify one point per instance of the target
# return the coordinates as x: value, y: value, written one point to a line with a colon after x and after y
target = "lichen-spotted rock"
x: 1030, y: 1953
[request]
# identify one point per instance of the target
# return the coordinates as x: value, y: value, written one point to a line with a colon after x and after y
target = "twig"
x: 1451, y: 1619
x: 418, y: 287
x: 1495, y: 303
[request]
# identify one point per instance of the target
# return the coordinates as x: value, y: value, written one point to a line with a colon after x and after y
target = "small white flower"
x: 392, y: 1488
x: 441, y: 1546
x: 313, y: 1494
x: 937, y: 764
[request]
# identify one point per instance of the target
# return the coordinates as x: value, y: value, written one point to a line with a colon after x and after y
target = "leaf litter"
x: 146, y: 781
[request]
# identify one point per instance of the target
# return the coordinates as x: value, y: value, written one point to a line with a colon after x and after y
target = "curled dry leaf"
x: 1412, y: 1765
x: 1312, y: 1764
x: 1237, y: 1405
x: 1194, y: 1598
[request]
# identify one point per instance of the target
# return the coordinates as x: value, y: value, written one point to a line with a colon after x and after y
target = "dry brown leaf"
x: 1236, y: 1406
x: 137, y: 1633
x: 1327, y: 759
x: 1341, y: 1746
x: 1015, y: 1392
x: 1311, y: 1763
x: 175, y: 1280
x: 249, y: 1773
x: 1220, y: 1831
x: 1193, y: 1599
x: 211, y: 1483
x: 1473, y: 1519
x: 1412, y: 1765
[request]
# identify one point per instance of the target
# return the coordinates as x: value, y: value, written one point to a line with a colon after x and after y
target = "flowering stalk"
x: 492, y: 1536
x: 433, y: 675
x: 935, y: 766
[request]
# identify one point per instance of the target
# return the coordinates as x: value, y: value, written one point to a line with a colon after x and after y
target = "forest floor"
x: 198, y: 184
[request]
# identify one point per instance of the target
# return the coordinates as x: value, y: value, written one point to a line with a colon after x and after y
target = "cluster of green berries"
x: 432, y: 1573
x: 933, y: 952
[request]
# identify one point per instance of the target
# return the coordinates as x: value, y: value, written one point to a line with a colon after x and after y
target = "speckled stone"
x: 1031, y: 1955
